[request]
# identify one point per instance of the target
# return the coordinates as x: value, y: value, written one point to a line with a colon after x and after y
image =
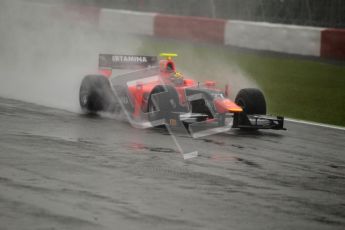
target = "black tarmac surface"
x: 62, y: 170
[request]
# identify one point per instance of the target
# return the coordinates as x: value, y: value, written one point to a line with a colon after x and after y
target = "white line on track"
x: 315, y: 124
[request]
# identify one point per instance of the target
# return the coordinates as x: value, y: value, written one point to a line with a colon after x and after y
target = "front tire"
x: 252, y: 101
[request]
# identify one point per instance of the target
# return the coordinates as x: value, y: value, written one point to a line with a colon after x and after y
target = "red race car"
x: 155, y: 93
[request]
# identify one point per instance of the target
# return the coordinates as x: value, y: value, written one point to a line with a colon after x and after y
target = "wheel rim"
x: 84, y: 99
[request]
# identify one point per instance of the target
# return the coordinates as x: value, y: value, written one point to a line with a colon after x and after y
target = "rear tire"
x: 252, y: 101
x: 95, y: 94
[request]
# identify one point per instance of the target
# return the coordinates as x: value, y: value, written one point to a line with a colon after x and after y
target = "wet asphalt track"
x: 61, y: 170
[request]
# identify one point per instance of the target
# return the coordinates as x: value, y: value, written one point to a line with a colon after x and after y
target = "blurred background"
x: 321, y: 13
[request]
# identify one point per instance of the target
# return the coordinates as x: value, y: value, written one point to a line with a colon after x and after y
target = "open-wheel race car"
x: 155, y: 93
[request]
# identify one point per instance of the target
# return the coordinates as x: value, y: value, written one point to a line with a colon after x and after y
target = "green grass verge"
x: 296, y: 88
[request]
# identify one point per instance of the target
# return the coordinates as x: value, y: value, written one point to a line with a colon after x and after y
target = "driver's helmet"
x: 177, y: 78
x: 178, y: 75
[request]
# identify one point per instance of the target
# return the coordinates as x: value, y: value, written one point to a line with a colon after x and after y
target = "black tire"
x: 95, y: 94
x: 166, y: 102
x: 252, y: 101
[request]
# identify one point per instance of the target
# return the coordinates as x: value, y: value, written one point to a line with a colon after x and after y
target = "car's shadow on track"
x: 233, y: 133
x: 90, y: 115
x: 254, y: 133
x: 163, y: 130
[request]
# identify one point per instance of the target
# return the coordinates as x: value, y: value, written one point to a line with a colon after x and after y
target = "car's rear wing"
x: 111, y: 61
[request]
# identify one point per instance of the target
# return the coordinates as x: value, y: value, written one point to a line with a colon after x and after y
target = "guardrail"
x: 300, y: 40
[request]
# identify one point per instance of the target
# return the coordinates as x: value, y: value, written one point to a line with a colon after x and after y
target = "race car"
x: 154, y: 93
